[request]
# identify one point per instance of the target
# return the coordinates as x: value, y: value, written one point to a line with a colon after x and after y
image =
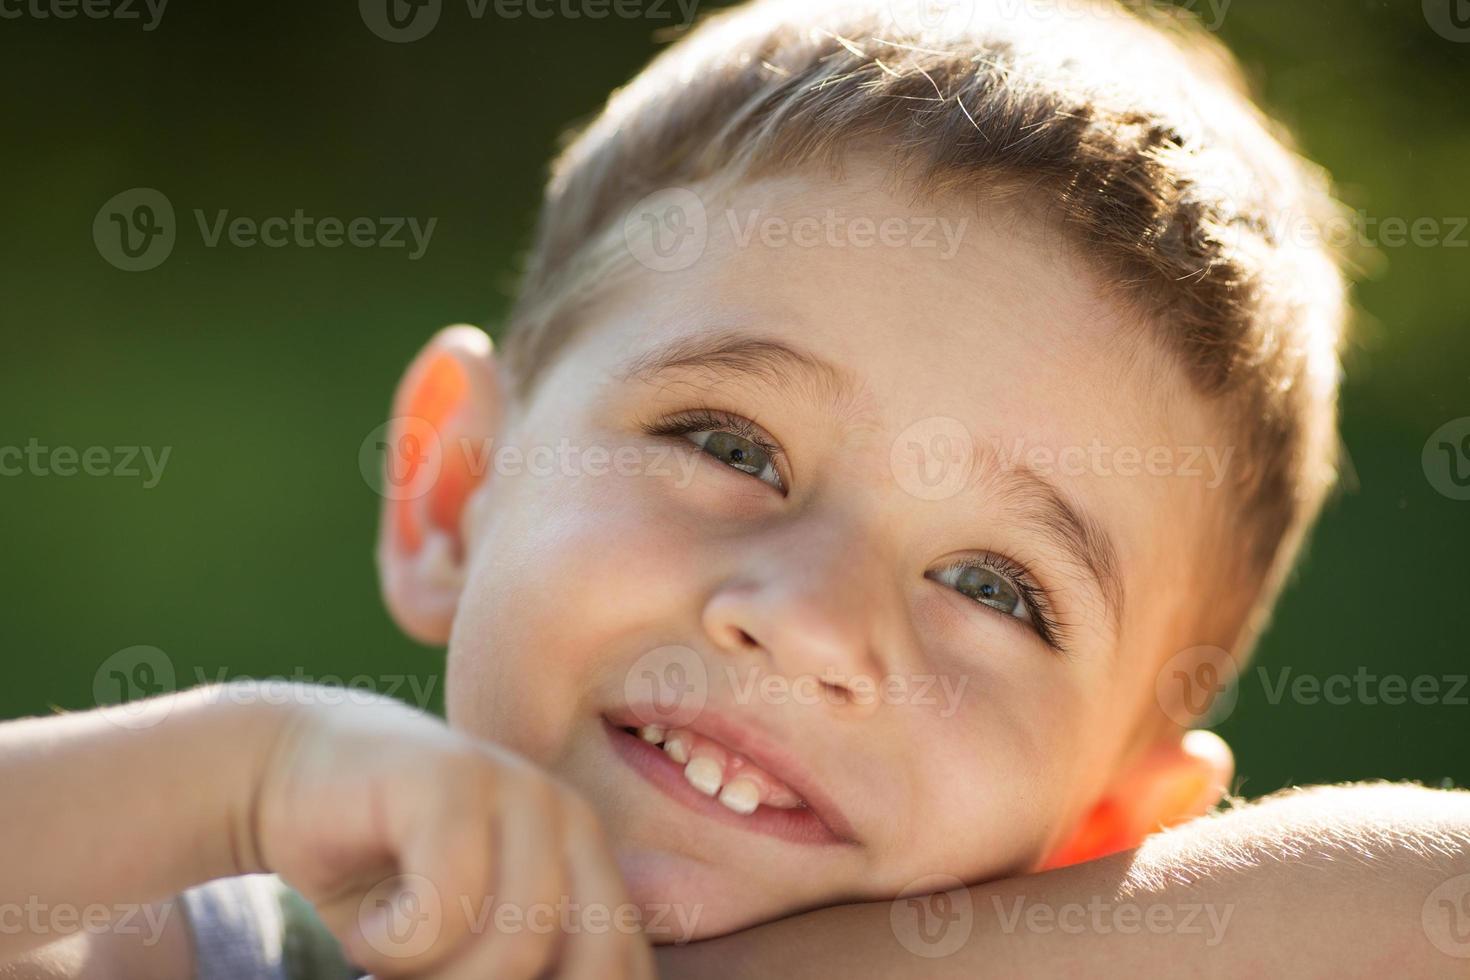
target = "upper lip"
x: 769, y: 753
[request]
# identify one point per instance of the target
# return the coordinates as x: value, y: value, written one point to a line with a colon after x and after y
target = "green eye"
x: 738, y: 453
x: 987, y: 586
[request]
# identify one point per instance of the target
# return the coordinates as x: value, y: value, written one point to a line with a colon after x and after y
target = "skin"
x: 1014, y: 339
x: 1045, y: 759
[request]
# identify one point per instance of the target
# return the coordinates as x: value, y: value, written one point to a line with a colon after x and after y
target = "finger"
x: 517, y: 932
x: 414, y: 921
x: 604, y: 938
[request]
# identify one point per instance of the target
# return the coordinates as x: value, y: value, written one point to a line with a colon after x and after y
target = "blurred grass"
x: 265, y: 368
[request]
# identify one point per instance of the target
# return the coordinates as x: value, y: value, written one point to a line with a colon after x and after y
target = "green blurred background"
x: 265, y: 369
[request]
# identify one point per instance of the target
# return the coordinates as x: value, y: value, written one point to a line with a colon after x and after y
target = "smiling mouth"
x: 709, y: 778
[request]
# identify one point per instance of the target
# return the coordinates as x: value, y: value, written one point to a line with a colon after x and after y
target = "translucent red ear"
x: 1105, y: 831
x: 446, y: 413
x: 427, y: 441
x: 1177, y: 779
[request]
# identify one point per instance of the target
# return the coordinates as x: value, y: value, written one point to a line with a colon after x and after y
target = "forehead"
x: 936, y: 313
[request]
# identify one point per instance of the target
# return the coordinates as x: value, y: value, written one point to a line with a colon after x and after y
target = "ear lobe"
x: 1180, y: 777
x: 446, y: 411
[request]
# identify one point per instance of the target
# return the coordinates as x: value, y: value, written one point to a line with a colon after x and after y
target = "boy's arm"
x: 373, y: 813
x: 72, y: 853
x: 1361, y: 880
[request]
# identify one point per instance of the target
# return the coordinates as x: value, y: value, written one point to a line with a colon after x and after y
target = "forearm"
x: 101, y: 816
x: 1333, y: 881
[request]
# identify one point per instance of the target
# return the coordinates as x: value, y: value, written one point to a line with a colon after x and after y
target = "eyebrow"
x: 1047, y: 511
x: 773, y: 362
x: 1039, y: 504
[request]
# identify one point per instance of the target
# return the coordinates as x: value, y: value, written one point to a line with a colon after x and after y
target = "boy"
x: 878, y: 352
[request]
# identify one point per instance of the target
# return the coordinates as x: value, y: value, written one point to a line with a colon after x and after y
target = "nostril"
x: 838, y: 693
x: 745, y: 639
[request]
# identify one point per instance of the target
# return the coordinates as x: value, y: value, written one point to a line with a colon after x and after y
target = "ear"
x: 1182, y: 775
x: 446, y: 411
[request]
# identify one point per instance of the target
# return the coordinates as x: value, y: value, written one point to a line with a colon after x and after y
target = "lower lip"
x: 799, y: 825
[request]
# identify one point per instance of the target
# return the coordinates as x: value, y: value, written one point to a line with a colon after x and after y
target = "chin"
x: 685, y: 900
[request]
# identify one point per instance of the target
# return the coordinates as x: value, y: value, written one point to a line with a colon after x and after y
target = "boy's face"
x: 933, y: 605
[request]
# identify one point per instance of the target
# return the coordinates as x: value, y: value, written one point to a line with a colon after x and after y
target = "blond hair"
x: 1126, y: 120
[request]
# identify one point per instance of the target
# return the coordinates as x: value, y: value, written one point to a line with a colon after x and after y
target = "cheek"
x: 574, y: 577
x: 1003, y: 771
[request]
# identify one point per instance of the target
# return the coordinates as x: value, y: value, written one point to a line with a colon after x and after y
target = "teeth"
x: 742, y: 796
x: 707, y: 767
x: 677, y: 748
x: 704, y: 774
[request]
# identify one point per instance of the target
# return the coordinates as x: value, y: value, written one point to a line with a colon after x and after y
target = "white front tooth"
x: 677, y: 749
x: 651, y: 733
x: 705, y: 775
x: 742, y: 796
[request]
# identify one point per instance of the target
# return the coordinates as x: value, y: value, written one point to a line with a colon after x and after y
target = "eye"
x: 737, y: 442
x: 737, y: 452
x: 1007, y: 587
x: 987, y: 586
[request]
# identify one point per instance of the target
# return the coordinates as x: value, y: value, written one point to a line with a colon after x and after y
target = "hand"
x: 430, y: 854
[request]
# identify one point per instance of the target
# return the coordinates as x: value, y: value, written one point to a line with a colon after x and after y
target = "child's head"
x: 956, y: 378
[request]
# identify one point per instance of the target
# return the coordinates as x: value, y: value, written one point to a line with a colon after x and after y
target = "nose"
x: 812, y: 607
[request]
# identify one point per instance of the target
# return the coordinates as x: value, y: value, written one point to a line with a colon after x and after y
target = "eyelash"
x: 1037, y: 597
x: 704, y: 420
